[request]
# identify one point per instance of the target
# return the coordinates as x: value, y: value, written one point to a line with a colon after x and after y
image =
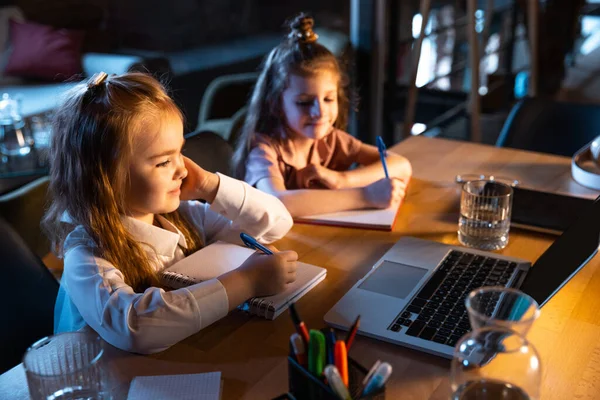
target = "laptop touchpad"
x: 393, y: 279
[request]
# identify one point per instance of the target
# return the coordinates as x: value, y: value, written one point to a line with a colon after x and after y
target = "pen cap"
x: 335, y: 381
x: 316, y: 352
x: 379, y: 378
x: 297, y: 343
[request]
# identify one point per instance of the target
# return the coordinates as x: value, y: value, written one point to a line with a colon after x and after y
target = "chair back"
x: 210, y: 151
x: 23, y: 208
x: 222, y: 101
x: 28, y: 295
x: 549, y: 126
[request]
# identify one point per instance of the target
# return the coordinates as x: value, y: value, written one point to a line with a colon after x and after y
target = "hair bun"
x: 301, y: 29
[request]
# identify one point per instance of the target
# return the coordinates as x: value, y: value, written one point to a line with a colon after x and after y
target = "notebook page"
x: 177, y: 387
x: 212, y: 261
x: 382, y: 217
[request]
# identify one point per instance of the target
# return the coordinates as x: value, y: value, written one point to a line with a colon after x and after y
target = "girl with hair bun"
x: 293, y: 144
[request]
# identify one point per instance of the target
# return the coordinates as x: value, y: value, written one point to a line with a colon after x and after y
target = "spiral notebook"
x: 220, y: 257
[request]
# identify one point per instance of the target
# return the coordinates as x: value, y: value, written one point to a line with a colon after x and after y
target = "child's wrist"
x: 210, y: 188
x: 343, y: 180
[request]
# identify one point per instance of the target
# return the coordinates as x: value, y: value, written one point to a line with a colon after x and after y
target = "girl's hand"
x: 384, y: 192
x: 270, y: 274
x: 326, y: 177
x: 199, y: 183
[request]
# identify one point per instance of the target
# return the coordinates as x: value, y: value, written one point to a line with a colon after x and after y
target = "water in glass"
x: 489, y: 389
x: 485, y: 209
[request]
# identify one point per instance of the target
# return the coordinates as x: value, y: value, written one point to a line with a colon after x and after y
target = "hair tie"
x: 306, y: 37
x: 97, y: 79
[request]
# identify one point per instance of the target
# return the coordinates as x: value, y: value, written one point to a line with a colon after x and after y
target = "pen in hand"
x: 252, y: 243
x: 382, y: 154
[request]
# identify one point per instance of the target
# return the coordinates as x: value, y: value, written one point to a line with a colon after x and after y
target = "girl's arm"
x: 154, y: 320
x: 302, y: 202
x: 370, y: 171
x: 234, y: 207
x: 371, y: 168
x: 146, y: 322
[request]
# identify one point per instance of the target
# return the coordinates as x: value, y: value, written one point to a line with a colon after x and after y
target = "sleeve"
x: 145, y: 322
x: 238, y: 207
x: 262, y: 162
x: 346, y: 150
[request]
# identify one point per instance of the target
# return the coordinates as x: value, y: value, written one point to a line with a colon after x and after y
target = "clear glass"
x: 41, y: 128
x: 485, y: 208
x: 503, y: 308
x: 495, y: 364
x: 462, y: 178
x: 66, y: 366
x: 14, y: 137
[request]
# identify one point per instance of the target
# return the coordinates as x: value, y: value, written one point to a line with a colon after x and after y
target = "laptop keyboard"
x: 438, y: 312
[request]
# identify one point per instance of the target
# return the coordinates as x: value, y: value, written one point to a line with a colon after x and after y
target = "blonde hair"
x: 298, y: 54
x: 89, y: 173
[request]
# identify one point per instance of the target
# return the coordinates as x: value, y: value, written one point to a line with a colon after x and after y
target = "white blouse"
x: 93, y: 291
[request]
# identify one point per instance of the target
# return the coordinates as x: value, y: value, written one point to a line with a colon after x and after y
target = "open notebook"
x: 177, y: 387
x: 220, y: 257
x: 380, y: 219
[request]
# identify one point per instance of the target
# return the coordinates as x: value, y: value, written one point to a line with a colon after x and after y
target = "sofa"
x: 39, y: 96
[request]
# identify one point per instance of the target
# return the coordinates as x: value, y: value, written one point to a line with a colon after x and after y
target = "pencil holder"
x: 304, y: 385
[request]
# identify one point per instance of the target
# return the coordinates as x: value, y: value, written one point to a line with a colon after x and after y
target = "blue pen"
x: 250, y: 242
x: 331, y: 339
x: 382, y: 154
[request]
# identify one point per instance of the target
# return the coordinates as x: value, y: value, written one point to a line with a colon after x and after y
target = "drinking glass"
x: 14, y: 137
x: 485, y: 208
x: 494, y: 363
x: 501, y: 307
x: 41, y: 128
x: 66, y: 366
x: 462, y: 178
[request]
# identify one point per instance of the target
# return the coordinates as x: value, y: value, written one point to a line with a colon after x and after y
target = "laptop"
x: 415, y: 294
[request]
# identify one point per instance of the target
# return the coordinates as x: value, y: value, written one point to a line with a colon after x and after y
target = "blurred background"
x: 190, y: 43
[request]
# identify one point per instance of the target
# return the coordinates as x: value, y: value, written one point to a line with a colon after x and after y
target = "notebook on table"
x: 220, y: 257
x: 177, y: 387
x: 379, y: 219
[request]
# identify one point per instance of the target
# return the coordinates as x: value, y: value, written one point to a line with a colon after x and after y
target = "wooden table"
x: 251, y: 352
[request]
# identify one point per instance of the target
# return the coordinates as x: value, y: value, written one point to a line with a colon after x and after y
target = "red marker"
x: 300, y: 326
x: 352, y: 333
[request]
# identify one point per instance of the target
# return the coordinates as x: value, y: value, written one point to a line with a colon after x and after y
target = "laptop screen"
x: 565, y: 256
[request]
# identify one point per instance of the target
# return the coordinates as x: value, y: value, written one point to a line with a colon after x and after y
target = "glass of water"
x: 502, y: 307
x: 66, y: 366
x: 485, y: 208
x: 494, y: 363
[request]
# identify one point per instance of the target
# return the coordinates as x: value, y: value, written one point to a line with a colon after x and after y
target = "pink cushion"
x: 43, y: 52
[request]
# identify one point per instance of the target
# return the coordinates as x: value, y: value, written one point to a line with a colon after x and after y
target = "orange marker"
x: 341, y: 360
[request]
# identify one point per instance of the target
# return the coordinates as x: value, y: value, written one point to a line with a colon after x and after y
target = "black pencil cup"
x: 304, y: 385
